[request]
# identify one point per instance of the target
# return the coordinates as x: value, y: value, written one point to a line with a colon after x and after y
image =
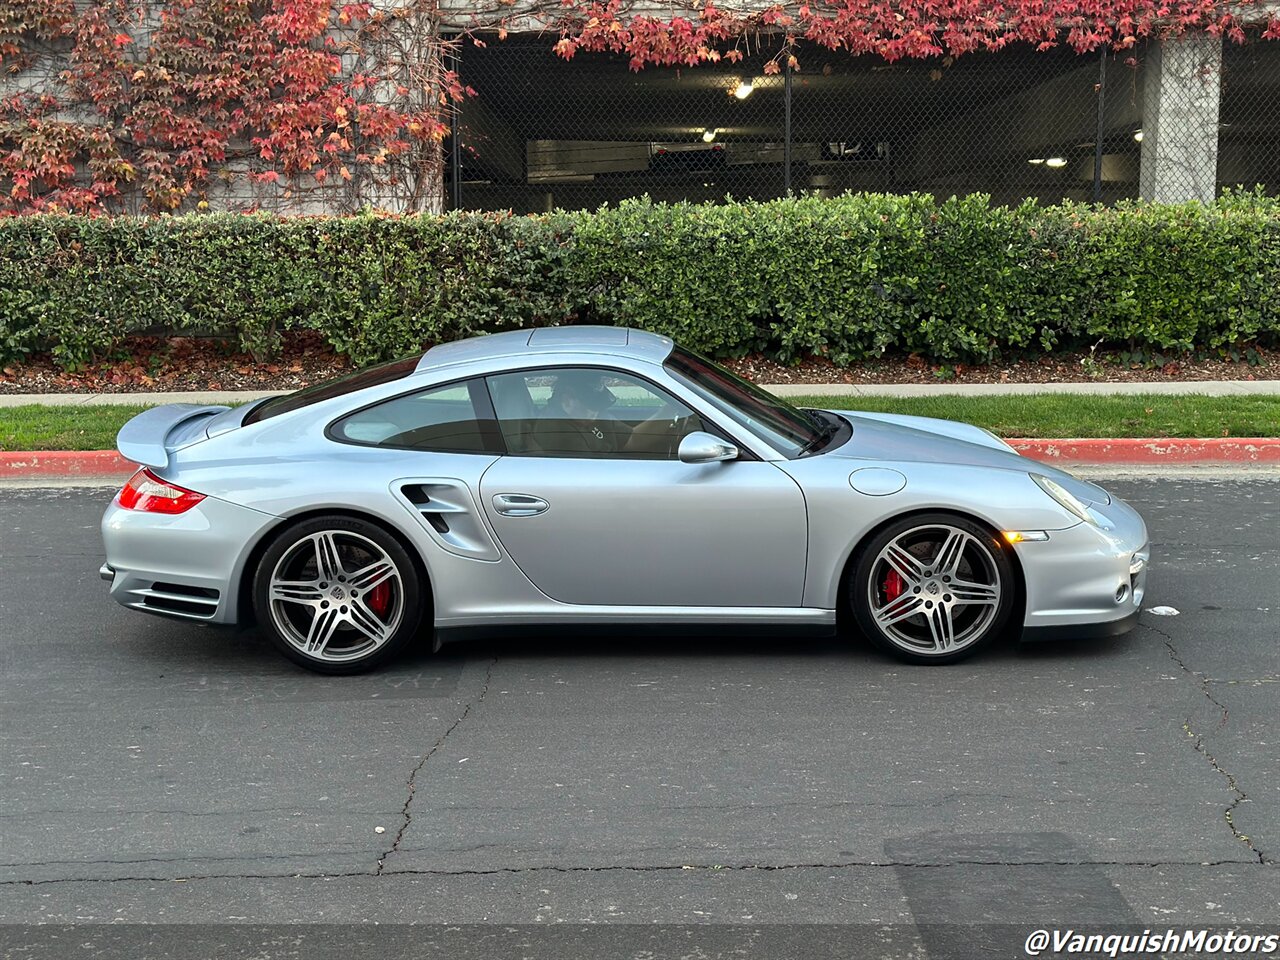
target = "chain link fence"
x: 541, y: 132
x: 1249, y: 122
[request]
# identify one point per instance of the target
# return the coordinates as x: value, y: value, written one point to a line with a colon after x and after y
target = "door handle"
x: 519, y: 505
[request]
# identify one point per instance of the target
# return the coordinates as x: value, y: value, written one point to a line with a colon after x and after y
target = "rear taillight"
x: 148, y: 493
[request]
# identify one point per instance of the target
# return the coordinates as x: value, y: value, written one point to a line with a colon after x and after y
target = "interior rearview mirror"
x: 699, y: 447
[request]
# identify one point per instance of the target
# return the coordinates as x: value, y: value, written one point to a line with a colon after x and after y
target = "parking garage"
x: 1172, y: 121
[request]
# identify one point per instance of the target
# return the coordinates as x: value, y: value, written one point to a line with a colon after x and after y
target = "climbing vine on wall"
x: 168, y: 100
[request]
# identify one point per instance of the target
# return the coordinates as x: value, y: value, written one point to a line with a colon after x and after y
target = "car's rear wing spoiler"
x: 150, y: 436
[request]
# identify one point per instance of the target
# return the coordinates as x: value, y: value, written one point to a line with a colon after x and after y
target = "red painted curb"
x: 22, y: 465
x: 1153, y: 451
x: 108, y: 463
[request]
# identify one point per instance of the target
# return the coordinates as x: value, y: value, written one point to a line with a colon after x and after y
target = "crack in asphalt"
x: 189, y: 858
x: 27, y: 815
x: 1199, y: 746
x: 655, y: 868
x: 406, y: 814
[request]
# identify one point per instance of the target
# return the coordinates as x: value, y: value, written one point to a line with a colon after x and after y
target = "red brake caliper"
x: 894, y: 585
x: 380, y: 598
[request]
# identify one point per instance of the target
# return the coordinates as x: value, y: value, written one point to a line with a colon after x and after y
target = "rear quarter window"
x: 454, y: 418
x: 350, y: 383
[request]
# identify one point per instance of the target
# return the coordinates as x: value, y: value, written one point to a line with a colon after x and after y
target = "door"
x: 594, y: 506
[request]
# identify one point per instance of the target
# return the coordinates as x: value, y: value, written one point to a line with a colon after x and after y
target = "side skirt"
x: 647, y: 621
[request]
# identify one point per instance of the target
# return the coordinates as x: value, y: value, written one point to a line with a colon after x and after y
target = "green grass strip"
x: 42, y: 427
x: 1075, y: 415
x: 94, y: 427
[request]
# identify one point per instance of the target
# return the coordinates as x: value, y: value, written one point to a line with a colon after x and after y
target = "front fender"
x: 841, y: 518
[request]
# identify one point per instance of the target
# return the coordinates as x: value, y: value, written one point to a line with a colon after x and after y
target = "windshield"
x: 788, y: 430
x: 350, y: 383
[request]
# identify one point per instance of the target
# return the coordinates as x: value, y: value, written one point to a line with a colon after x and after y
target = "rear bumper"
x: 186, y: 566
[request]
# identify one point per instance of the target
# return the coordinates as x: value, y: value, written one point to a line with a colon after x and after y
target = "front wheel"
x: 932, y: 588
x: 337, y: 594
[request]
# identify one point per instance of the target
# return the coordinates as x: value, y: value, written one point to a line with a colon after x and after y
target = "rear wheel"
x: 932, y: 588
x: 337, y: 595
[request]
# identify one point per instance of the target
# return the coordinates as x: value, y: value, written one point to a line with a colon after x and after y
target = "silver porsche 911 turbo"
x: 601, y: 476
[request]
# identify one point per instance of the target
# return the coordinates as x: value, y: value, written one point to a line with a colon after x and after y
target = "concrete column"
x: 1182, y: 89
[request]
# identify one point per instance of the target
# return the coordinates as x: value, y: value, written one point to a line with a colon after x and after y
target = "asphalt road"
x: 155, y: 771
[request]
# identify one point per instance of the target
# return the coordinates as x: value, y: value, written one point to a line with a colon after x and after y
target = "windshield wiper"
x: 826, y: 430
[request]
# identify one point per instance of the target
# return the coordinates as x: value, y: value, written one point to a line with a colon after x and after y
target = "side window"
x: 454, y: 418
x: 587, y: 412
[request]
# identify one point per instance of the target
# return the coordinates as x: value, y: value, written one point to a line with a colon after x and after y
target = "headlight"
x: 1064, y: 497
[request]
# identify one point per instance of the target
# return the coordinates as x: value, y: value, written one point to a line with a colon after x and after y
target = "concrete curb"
x: 1179, y: 388
x: 1146, y: 451
x: 69, y: 465
x: 63, y: 464
x: 203, y: 397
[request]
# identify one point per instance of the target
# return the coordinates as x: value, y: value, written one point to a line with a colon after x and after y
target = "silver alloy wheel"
x: 934, y: 589
x: 336, y: 596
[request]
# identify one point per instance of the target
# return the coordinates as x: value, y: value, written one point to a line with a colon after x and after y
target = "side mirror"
x: 701, y: 447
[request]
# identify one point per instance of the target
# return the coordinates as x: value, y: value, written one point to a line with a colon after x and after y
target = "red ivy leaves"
x: 42, y: 169
x: 894, y: 29
x: 298, y: 21
x: 43, y: 20
x: 171, y: 93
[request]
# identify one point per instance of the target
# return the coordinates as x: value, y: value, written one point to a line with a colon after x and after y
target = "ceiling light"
x: 1036, y: 162
x: 1137, y: 135
x: 709, y: 134
x: 744, y: 89
x: 1056, y: 162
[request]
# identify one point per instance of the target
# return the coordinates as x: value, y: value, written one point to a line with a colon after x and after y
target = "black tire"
x: 363, y: 628
x: 904, y: 627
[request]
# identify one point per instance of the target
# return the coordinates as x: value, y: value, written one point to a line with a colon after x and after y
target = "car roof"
x: 610, y: 341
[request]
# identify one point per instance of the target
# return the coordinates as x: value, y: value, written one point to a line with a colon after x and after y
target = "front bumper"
x: 1082, y: 631
x: 1087, y: 581
x: 186, y: 566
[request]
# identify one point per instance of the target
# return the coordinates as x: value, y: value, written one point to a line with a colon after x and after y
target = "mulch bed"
x: 187, y: 363
x: 156, y: 364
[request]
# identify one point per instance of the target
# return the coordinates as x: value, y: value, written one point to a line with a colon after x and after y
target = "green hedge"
x: 850, y: 277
